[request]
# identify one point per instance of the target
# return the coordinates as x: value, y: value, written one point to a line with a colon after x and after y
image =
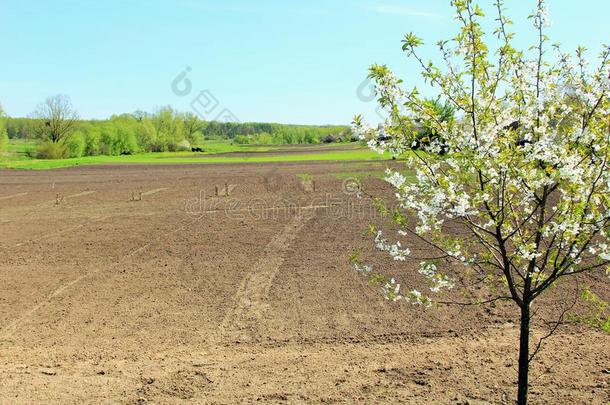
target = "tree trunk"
x: 524, y: 353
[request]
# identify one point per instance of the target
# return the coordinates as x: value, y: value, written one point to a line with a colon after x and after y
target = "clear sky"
x: 265, y: 60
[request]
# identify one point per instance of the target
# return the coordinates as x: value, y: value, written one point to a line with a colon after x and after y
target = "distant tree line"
x: 3, y: 132
x: 62, y: 134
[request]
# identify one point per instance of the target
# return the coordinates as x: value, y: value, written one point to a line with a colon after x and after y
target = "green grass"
x: 215, y: 147
x: 20, y: 147
x: 18, y: 159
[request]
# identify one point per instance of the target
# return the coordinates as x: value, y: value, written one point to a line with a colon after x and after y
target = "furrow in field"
x: 7, y: 197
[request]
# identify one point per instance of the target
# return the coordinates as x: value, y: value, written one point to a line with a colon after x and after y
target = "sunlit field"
x: 370, y: 202
x: 215, y: 152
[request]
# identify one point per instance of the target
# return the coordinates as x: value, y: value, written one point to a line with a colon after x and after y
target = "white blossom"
x: 540, y: 131
x: 394, y: 178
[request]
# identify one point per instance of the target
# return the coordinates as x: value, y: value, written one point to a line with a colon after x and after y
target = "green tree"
x: 146, y: 135
x: 75, y: 144
x: 168, y: 129
x: 3, y: 132
x: 3, y: 140
x: 56, y: 118
x: 108, y: 140
x: 92, y: 140
x: 264, y: 139
x: 192, y: 127
x: 126, y: 142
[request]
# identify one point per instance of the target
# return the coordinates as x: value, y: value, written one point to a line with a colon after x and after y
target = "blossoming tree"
x: 523, y: 168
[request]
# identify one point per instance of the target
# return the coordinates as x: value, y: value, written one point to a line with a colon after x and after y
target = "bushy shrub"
x: 3, y: 139
x: 125, y: 142
x: 145, y: 135
x: 108, y: 141
x: 311, y: 138
x: 171, y: 146
x: 92, y: 142
x: 75, y: 145
x: 50, y: 150
x: 242, y: 139
x: 264, y: 139
x: 184, y: 146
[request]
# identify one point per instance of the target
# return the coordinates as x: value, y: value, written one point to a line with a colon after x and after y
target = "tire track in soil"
x: 243, y: 320
x: 9, y: 330
x: 8, y: 197
x: 155, y: 191
x: 92, y: 220
x: 71, y: 229
x: 83, y: 194
x: 41, y: 206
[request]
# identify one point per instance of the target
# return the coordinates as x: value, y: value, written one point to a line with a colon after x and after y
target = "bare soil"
x: 184, y: 296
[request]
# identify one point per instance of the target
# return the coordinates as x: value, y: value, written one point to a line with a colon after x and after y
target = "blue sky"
x: 265, y: 60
